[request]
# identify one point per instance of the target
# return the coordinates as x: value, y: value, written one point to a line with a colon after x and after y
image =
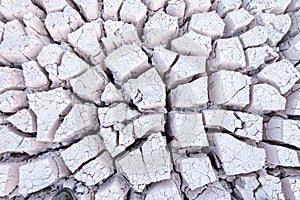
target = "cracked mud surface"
x: 150, y: 99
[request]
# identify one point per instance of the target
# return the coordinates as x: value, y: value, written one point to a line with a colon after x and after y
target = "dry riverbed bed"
x: 150, y: 99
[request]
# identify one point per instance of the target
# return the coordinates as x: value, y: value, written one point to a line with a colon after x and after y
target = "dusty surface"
x: 150, y: 99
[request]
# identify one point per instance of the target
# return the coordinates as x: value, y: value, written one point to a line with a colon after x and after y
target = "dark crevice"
x: 168, y: 137
x: 214, y: 160
x: 56, y: 146
x: 110, y: 76
x: 294, y: 117
x: 277, y: 143
x: 77, y: 8
x: 132, y: 147
x: 21, y: 133
x: 35, y: 2
x: 132, y: 105
x: 136, y: 145
x: 175, y: 61
x: 89, y: 160
x: 167, y: 73
x: 14, y: 157
x: 128, y: 194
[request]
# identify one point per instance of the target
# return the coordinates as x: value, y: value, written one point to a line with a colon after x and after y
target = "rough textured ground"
x: 150, y: 99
